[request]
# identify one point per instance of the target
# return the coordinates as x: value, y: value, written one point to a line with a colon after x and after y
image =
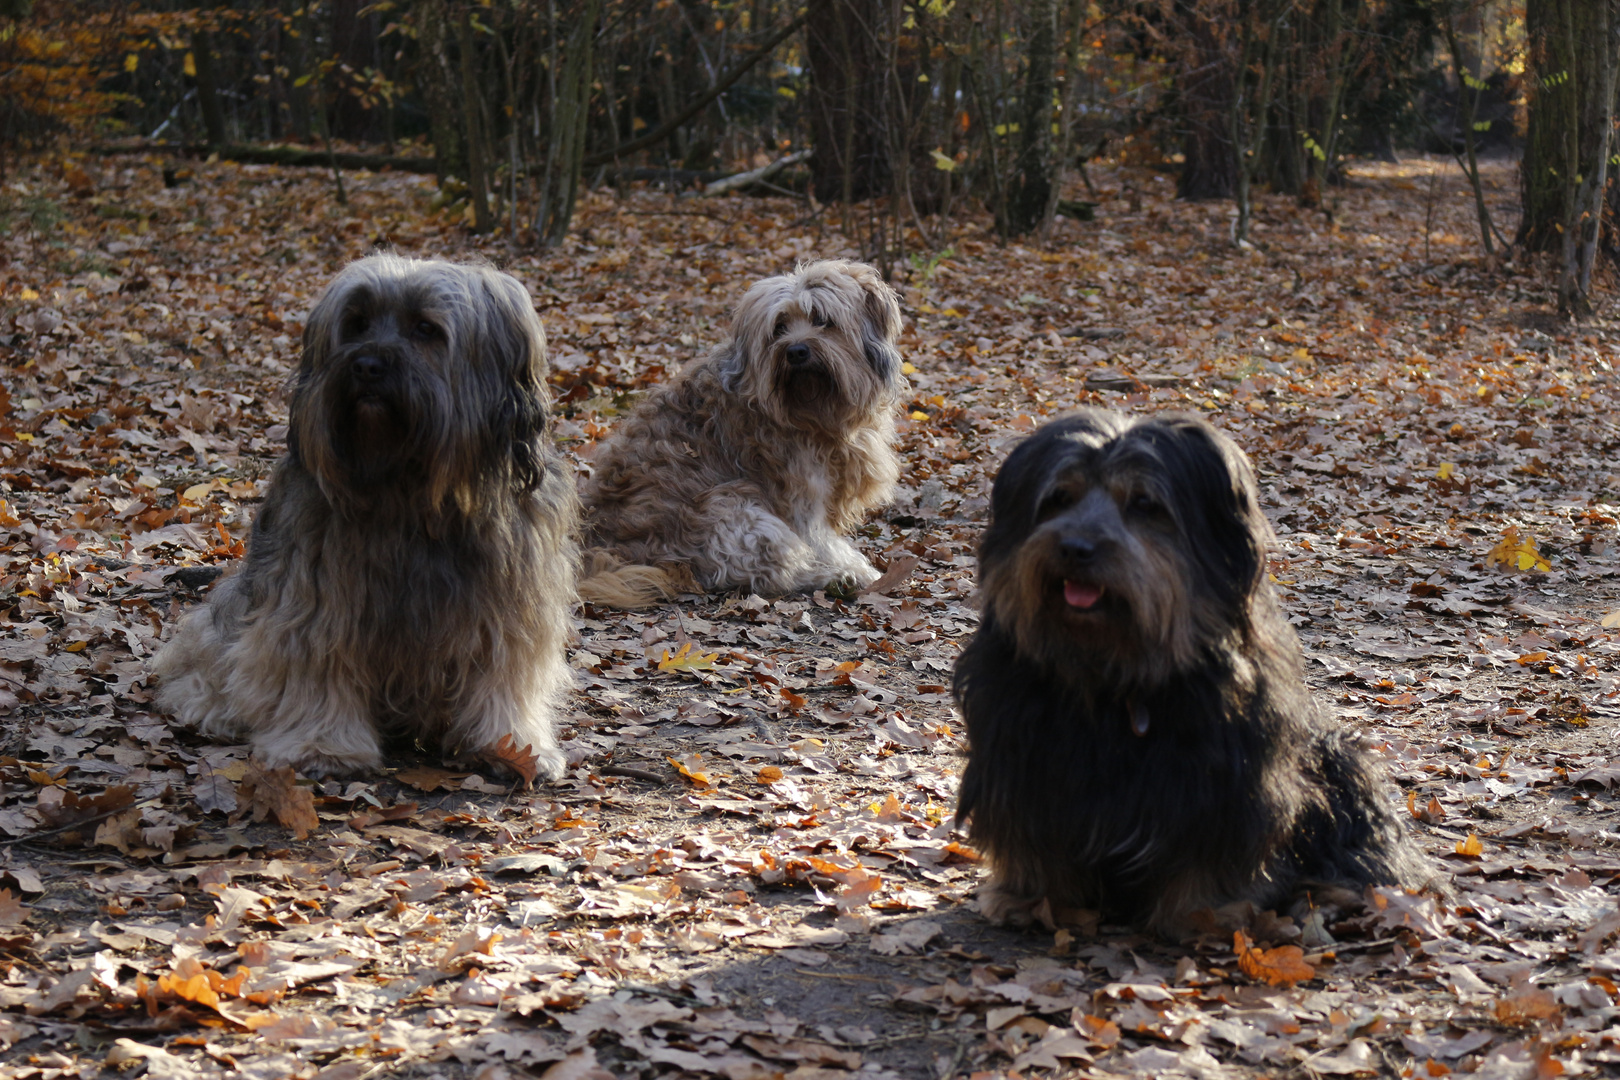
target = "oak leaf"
x: 1282, y: 966
x: 275, y: 793
x: 687, y: 660
x: 521, y: 761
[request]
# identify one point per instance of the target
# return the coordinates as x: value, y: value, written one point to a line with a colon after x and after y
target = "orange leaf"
x: 689, y: 771
x: 1100, y: 1031
x: 769, y: 774
x: 195, y: 988
x: 1282, y: 966
x: 1470, y: 848
x: 521, y: 760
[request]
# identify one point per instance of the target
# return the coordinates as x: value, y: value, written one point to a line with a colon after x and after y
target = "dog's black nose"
x: 798, y: 353
x: 1079, y: 548
x: 367, y: 368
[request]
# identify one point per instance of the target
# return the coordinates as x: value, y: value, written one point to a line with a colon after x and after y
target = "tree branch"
x: 663, y: 131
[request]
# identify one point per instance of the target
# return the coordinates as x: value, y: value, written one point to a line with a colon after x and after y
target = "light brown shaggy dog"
x: 746, y: 471
x: 412, y: 568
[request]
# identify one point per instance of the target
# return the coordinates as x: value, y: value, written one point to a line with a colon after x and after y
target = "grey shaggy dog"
x: 411, y: 570
x: 1141, y: 738
x: 748, y: 469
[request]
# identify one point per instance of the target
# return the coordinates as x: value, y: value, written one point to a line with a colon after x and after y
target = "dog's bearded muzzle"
x: 379, y: 412
x: 806, y: 378
x: 1080, y: 550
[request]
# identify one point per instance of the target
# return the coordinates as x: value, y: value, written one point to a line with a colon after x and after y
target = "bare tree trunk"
x: 1593, y: 35
x: 570, y: 108
x: 1206, y: 100
x: 1467, y: 87
x: 1031, y: 188
x: 477, y: 174
x: 1542, y: 187
x: 846, y: 100
x: 1250, y: 111
x: 202, y: 55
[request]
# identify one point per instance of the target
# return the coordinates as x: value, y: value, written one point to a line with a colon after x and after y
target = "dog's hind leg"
x: 748, y: 547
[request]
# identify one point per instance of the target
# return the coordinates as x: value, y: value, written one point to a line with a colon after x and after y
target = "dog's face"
x: 419, y: 378
x: 815, y: 349
x: 1119, y: 548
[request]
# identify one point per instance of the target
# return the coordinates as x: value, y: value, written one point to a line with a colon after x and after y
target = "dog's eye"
x: 428, y: 331
x: 356, y: 325
x: 820, y: 320
x: 1055, y: 503
x: 1144, y: 505
x: 780, y: 329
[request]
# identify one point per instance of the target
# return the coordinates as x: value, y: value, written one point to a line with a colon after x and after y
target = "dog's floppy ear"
x: 310, y: 448
x: 880, y: 323
x: 1216, y: 501
x: 514, y: 335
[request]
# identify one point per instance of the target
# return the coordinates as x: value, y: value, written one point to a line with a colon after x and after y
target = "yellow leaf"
x: 190, y: 66
x: 77, y: 646
x: 1447, y: 468
x: 687, y: 660
x: 1514, y: 550
x: 943, y: 162
x: 131, y: 62
x: 906, y: 368
x: 1470, y: 848
x: 916, y: 414
x: 1612, y: 619
x: 196, y: 492
x: 28, y: 294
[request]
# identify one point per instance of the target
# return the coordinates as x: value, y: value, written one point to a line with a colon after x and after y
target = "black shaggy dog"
x: 1141, y: 738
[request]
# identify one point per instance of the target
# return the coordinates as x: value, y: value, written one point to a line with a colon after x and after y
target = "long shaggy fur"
x: 746, y: 471
x: 1142, y: 741
x: 412, y: 567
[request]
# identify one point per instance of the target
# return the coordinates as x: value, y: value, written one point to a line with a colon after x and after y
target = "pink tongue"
x: 1079, y: 595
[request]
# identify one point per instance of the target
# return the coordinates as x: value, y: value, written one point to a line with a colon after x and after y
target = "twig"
x: 632, y: 773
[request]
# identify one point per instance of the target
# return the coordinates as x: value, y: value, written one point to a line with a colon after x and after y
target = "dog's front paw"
x: 1005, y: 907
x: 528, y: 763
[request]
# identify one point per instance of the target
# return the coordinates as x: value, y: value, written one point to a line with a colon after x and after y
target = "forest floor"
x: 750, y: 870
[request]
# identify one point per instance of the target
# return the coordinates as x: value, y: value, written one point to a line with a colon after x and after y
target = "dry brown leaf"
x: 276, y: 793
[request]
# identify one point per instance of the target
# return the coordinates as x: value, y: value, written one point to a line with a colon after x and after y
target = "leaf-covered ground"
x: 750, y: 870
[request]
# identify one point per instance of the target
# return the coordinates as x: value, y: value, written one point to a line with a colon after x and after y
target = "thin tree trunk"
x: 1468, y: 98
x: 1031, y: 192
x: 477, y: 174
x: 202, y: 55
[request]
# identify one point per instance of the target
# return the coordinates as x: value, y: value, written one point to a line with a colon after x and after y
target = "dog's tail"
x: 609, y: 581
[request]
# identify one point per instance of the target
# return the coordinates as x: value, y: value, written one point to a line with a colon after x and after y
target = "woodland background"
x: 1370, y: 240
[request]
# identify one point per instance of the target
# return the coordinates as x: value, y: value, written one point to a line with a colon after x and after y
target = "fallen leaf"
x: 276, y: 793
x: 1282, y: 966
